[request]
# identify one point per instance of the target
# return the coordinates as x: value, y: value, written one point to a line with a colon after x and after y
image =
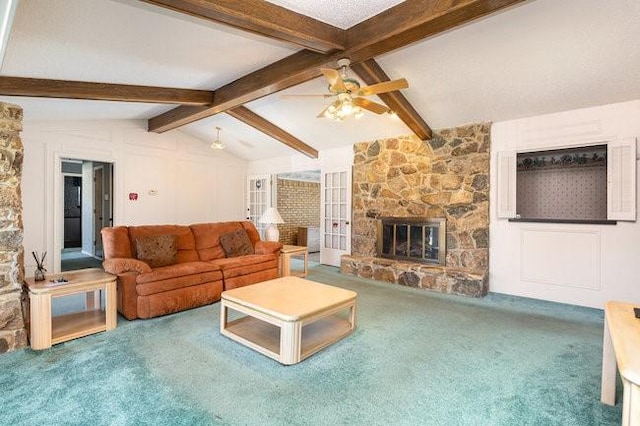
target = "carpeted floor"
x: 71, y: 262
x: 416, y: 358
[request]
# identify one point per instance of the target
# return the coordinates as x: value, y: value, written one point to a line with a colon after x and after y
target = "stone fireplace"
x: 13, y: 333
x: 414, y: 239
x: 443, y: 179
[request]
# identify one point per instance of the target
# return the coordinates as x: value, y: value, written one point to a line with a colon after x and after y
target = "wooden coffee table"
x: 289, y: 318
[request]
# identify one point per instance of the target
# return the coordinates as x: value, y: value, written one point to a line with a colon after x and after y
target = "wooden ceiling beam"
x: 259, y: 123
x: 415, y: 20
x: 42, y: 88
x: 295, y: 69
x: 263, y: 18
x: 290, y: 71
x: 371, y: 73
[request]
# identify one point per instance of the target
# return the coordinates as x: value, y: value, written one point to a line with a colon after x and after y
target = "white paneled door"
x: 335, y: 226
x: 258, y: 199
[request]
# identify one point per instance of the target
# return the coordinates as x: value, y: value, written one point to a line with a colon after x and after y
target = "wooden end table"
x: 47, y: 330
x: 289, y: 318
x: 621, y: 350
x: 286, y: 253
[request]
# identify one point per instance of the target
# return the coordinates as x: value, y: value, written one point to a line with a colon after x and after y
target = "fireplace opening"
x: 415, y: 239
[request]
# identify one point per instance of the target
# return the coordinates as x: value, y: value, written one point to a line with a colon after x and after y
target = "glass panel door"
x: 336, y: 216
x: 258, y: 199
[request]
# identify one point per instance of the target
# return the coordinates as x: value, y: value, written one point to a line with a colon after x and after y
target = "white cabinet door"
x: 621, y: 180
x: 506, y: 184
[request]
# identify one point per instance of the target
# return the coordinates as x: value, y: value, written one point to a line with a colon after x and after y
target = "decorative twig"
x: 39, y: 262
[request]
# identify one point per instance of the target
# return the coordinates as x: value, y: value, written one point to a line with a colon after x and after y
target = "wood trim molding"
x: 37, y: 87
x: 371, y: 73
x: 259, y: 123
x: 263, y: 18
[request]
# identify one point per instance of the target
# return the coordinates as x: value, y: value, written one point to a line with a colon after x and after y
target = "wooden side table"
x: 47, y: 330
x: 621, y: 350
x: 286, y: 253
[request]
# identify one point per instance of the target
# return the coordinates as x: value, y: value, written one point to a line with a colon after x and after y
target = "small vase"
x: 38, y: 275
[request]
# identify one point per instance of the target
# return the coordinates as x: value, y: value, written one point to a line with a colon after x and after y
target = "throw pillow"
x: 236, y: 243
x: 157, y: 250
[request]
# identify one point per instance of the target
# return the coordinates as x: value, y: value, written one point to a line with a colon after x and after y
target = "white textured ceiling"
x: 342, y: 14
x: 541, y: 56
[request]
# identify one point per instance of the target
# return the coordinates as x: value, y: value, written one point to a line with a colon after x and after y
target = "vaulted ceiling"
x: 465, y: 60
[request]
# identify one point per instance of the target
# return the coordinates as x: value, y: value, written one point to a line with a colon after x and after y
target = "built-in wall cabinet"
x: 577, y: 254
x: 585, y: 183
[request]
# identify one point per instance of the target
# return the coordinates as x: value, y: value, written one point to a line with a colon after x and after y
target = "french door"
x: 258, y: 199
x: 335, y: 223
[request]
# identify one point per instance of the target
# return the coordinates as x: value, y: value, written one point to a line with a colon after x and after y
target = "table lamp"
x: 272, y: 217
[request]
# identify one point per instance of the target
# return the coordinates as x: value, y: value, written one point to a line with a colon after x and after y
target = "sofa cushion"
x: 248, y: 264
x: 184, y: 239
x: 157, y: 250
x: 177, y: 270
x: 236, y: 243
x: 186, y: 282
x: 115, y: 242
x: 207, y: 238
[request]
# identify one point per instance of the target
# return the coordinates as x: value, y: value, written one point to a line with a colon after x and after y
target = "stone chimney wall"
x: 445, y: 177
x: 13, y: 334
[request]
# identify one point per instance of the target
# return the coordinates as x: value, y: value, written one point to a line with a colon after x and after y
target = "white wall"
x: 577, y: 264
x: 330, y: 158
x: 193, y: 183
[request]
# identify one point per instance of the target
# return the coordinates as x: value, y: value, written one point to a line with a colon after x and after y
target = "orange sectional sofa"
x: 200, y: 269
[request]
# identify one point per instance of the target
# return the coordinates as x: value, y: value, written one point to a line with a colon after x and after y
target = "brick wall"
x: 299, y: 205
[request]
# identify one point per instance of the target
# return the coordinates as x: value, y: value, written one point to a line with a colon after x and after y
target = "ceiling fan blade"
x: 385, y: 86
x: 334, y: 104
x: 335, y: 80
x: 370, y: 105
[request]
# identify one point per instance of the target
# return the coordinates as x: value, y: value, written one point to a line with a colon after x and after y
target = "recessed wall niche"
x: 563, y: 184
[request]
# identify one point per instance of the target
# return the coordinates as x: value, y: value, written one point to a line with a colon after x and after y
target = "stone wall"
x: 299, y: 205
x: 13, y: 334
x: 447, y: 176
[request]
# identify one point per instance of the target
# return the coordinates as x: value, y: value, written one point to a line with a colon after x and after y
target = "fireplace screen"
x: 414, y: 239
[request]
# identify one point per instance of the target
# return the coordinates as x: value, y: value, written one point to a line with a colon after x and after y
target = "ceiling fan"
x: 350, y: 93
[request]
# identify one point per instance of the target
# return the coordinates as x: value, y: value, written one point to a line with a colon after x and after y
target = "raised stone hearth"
x: 445, y: 177
x: 12, y: 327
x: 444, y: 280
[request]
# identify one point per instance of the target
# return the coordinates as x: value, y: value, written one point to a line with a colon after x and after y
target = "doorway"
x: 298, y: 201
x: 88, y: 207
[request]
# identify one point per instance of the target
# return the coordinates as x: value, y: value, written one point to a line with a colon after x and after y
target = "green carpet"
x: 80, y: 263
x: 415, y: 358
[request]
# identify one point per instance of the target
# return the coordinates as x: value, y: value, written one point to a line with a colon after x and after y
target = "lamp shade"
x: 271, y: 215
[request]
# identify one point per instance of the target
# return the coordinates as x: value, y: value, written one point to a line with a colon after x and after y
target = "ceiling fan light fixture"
x: 218, y: 144
x: 343, y: 108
